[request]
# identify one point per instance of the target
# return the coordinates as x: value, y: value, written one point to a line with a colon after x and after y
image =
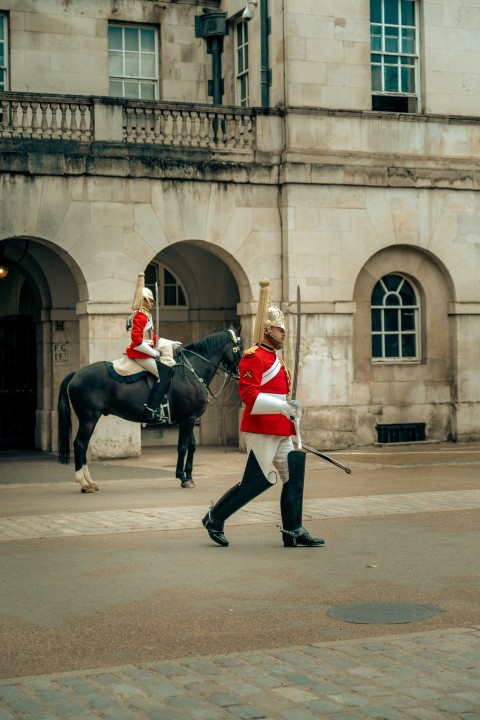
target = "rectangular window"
x: 133, y: 62
x: 394, y: 55
x: 3, y: 52
x: 241, y: 64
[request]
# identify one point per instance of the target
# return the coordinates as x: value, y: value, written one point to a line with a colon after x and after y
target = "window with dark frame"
x: 394, y: 55
x: 170, y: 290
x: 395, y: 314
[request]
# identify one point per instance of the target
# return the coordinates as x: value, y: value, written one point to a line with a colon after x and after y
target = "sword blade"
x: 327, y: 457
x: 297, y: 347
x: 157, y: 313
x: 296, y: 367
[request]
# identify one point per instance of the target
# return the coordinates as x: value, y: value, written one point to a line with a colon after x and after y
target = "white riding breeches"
x: 148, y: 364
x: 270, y: 450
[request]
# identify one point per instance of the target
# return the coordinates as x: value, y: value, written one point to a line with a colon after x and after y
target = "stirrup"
x: 157, y: 415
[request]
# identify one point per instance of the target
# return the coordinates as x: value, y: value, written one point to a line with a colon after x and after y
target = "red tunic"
x: 142, y: 329
x: 256, y: 370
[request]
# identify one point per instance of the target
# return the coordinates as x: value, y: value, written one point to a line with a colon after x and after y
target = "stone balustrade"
x: 85, y: 119
x: 189, y: 127
x: 46, y: 117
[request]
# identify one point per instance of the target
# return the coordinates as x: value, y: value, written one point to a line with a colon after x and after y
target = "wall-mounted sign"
x: 60, y: 352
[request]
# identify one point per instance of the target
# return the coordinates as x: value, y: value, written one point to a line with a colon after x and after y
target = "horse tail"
x: 64, y: 421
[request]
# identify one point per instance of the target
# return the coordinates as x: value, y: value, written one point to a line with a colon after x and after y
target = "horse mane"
x: 209, y: 344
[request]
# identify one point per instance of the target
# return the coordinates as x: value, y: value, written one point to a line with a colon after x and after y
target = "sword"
x: 327, y: 457
x: 296, y: 367
x: 157, y: 328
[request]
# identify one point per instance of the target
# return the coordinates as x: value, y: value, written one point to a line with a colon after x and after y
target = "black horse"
x: 93, y: 392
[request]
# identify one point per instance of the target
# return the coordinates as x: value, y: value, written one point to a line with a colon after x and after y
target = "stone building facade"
x: 331, y: 146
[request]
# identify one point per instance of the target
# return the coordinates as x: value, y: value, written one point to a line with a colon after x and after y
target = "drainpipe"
x: 265, y: 71
x: 212, y: 26
x: 216, y: 87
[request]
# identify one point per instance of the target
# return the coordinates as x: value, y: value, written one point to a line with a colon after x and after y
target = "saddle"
x: 126, y: 370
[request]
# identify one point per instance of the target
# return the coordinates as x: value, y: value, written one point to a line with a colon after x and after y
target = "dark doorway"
x: 18, y: 382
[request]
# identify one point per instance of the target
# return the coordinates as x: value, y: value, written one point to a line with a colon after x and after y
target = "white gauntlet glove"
x: 292, y: 409
x: 148, y: 350
x: 267, y: 404
x: 176, y: 344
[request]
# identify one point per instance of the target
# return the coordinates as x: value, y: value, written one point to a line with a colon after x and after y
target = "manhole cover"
x: 383, y: 613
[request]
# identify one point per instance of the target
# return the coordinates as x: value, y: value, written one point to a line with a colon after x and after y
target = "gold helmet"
x: 274, y: 317
x: 268, y: 315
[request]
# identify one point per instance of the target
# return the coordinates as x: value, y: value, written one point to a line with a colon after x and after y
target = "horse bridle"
x: 227, y: 370
x: 236, y: 349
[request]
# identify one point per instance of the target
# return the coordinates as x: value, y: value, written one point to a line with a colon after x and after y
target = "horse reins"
x: 228, y: 373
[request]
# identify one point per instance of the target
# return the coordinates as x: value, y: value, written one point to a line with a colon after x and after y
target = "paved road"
x: 117, y: 605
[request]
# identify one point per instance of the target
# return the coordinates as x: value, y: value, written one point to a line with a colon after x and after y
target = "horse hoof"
x: 87, y: 490
x: 188, y: 484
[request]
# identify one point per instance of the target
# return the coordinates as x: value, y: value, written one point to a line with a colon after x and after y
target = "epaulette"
x: 251, y: 350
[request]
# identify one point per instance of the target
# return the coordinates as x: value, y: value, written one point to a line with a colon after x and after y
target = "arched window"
x: 170, y: 291
x: 395, y: 320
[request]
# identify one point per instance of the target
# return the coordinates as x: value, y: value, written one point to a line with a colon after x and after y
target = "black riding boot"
x: 291, y: 504
x: 153, y: 412
x: 253, y: 484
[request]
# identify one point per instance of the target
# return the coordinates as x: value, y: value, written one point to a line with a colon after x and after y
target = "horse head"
x: 233, y: 352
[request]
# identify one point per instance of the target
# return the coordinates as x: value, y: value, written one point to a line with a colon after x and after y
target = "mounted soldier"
x: 151, y: 352
x: 267, y: 424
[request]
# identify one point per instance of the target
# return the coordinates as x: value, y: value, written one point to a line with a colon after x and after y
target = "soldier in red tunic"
x: 267, y: 424
x: 144, y: 350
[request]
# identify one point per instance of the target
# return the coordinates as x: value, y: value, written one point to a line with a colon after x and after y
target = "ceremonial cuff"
x: 268, y: 404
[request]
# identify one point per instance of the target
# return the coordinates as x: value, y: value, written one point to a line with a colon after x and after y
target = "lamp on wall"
x: 5, y: 262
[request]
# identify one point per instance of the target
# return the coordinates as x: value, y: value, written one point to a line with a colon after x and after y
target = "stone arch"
x: 398, y: 392
x: 42, y: 292
x: 210, y: 277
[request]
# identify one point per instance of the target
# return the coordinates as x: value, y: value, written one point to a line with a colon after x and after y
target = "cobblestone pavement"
x: 424, y: 676
x: 184, y: 517
x: 432, y: 675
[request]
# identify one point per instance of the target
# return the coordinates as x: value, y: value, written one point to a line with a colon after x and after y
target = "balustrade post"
x: 148, y: 125
x: 56, y: 132
x: 84, y: 136
x: 5, y: 118
x: 34, y: 107
x: 203, y: 129
x: 45, y: 130
x: 174, y: 116
x: 73, y: 121
x: 186, y: 140
x: 26, y: 129
x: 63, y: 122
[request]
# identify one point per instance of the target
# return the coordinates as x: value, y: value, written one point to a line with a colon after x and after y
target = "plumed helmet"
x: 268, y: 315
x: 147, y: 294
x: 141, y: 293
x: 274, y: 317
